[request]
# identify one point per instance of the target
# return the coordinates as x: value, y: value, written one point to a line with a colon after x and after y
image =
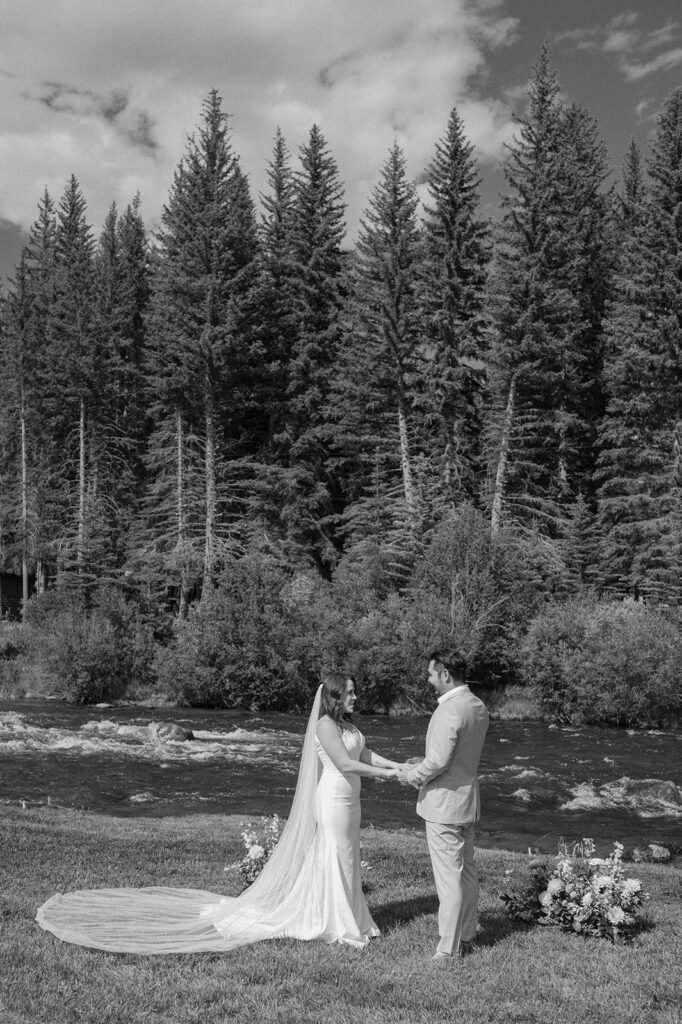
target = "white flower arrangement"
x: 582, y: 893
x: 259, y: 847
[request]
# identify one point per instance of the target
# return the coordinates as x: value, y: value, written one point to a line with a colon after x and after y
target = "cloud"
x: 114, y: 107
x: 623, y: 37
x: 628, y: 18
x: 633, y: 71
x: 661, y: 36
x: 618, y: 40
x: 646, y: 110
x: 110, y: 92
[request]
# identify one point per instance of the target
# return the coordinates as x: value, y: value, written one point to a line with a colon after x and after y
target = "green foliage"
x: 454, y: 315
x: 201, y: 352
x: 244, y: 644
x: 12, y: 685
x: 472, y: 592
x: 264, y: 636
x: 377, y: 380
x: 639, y: 466
x: 605, y: 662
x: 550, y: 285
x: 364, y: 627
x: 90, y: 647
x: 315, y: 212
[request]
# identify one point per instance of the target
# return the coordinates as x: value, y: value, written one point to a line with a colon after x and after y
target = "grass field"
x: 518, y: 975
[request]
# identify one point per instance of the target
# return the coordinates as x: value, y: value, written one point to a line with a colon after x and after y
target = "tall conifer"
x: 69, y: 370
x: 206, y: 249
x: 375, y: 400
x: 122, y: 297
x: 457, y: 249
x: 550, y: 284
x: 318, y: 229
x: 641, y: 435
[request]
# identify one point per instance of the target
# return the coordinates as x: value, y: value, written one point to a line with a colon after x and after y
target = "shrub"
x: 90, y: 646
x: 472, y: 592
x: 248, y: 643
x: 605, y: 662
x: 11, y: 640
x: 362, y: 627
x: 266, y: 634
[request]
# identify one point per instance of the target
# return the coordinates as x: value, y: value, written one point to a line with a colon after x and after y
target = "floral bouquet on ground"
x: 582, y: 893
x: 259, y: 847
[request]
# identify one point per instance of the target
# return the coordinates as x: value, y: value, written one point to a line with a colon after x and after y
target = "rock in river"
x: 171, y: 731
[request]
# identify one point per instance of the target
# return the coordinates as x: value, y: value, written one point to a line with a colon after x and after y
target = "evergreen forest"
x: 241, y: 451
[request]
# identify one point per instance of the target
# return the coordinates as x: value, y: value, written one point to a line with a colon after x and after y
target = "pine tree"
x: 454, y: 304
x: 30, y: 306
x: 122, y: 297
x: 203, y: 273
x: 579, y: 546
x: 56, y: 365
x: 375, y: 401
x: 14, y: 458
x: 633, y: 193
x: 72, y: 366
x: 277, y: 300
x: 641, y: 434
x: 550, y: 284
x: 318, y: 228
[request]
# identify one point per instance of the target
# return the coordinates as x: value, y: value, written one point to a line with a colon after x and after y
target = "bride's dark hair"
x: 334, y: 688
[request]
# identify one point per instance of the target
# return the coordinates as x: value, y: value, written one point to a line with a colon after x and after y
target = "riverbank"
x: 507, y: 703
x: 518, y: 975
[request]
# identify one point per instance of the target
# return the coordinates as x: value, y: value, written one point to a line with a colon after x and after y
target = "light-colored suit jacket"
x: 448, y: 775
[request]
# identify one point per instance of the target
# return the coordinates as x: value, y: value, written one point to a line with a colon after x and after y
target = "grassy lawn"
x: 518, y: 975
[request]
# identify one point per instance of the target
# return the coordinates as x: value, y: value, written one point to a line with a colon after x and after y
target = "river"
x: 539, y: 783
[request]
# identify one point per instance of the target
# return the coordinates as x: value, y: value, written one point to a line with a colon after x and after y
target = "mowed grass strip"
x: 520, y: 975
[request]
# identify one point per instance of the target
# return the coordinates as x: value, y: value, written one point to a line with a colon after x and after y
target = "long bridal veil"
x: 164, y: 920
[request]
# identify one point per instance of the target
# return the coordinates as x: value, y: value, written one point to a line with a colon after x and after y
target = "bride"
x: 309, y: 889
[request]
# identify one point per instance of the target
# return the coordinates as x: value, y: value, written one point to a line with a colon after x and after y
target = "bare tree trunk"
x: 210, y: 483
x: 562, y: 469
x: 24, y: 514
x: 2, y: 562
x: 80, y: 550
x: 180, y: 512
x: 503, y: 460
x: 451, y: 472
x: 408, y: 479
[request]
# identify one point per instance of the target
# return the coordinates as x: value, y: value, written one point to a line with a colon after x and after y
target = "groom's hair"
x: 453, y: 661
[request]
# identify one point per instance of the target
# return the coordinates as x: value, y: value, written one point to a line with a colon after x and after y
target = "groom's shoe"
x: 467, y: 948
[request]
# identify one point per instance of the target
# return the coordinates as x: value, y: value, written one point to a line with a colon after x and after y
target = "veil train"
x: 163, y: 920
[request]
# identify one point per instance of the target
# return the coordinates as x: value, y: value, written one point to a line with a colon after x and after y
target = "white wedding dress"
x: 309, y: 889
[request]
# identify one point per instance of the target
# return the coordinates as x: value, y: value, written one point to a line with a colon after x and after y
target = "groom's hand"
x: 407, y: 773
x: 403, y: 770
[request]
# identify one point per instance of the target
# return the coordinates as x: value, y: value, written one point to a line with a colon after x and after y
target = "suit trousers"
x: 452, y: 857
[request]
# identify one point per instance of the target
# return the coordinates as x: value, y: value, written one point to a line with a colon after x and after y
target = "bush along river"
x: 539, y: 783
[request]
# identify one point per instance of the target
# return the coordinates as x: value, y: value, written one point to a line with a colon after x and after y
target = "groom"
x: 449, y: 800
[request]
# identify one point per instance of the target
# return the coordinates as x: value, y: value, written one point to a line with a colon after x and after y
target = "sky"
x: 110, y: 90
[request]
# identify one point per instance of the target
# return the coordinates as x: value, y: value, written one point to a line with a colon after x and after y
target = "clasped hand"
x: 400, y: 771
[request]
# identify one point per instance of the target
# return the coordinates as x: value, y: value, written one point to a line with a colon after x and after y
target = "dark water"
x: 539, y: 784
